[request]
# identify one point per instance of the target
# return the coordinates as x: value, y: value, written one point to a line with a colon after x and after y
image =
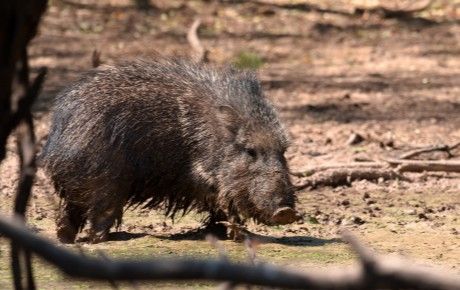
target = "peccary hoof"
x: 96, y: 237
x: 66, y: 235
x: 285, y: 215
x: 217, y: 230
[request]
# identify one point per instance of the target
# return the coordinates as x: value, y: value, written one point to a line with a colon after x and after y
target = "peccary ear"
x: 229, y: 119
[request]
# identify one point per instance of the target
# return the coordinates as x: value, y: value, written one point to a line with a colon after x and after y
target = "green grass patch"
x: 248, y: 60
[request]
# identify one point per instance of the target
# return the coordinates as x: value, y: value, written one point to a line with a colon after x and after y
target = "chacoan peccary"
x: 166, y: 134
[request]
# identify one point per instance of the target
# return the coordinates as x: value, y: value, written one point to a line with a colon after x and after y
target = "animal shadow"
x: 197, y: 234
x: 299, y: 241
x: 117, y: 236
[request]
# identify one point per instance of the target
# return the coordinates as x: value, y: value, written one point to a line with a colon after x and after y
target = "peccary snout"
x: 285, y: 215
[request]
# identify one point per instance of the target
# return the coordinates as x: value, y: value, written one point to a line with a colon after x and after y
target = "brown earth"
x: 396, y: 82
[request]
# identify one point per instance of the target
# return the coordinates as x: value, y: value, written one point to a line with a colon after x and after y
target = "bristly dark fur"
x: 166, y: 133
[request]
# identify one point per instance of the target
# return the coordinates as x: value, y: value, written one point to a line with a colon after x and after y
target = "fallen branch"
x: 425, y: 165
x: 108, y: 8
x: 200, y: 54
x: 381, y: 11
x: 344, y: 176
x: 386, y: 12
x: 338, y: 174
x: 442, y: 148
x: 375, y: 273
x: 312, y: 170
x: 400, y: 165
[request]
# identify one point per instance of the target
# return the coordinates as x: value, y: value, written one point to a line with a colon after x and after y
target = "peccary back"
x: 166, y: 134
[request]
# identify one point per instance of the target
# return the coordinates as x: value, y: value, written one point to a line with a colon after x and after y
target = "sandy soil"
x: 395, y: 82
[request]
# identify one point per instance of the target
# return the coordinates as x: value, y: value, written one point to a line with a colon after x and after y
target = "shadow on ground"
x: 118, y: 236
x: 201, y: 233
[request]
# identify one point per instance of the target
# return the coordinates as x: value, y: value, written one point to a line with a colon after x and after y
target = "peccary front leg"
x: 69, y: 220
x: 102, y: 220
x: 214, y: 227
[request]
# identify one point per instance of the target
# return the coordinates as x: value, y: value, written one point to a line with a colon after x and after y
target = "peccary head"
x: 254, y: 177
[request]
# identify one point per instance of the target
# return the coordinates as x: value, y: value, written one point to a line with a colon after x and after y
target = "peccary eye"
x: 251, y: 152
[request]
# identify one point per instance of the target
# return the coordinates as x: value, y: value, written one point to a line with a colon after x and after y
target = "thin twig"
x: 96, y: 58
x: 200, y: 54
x: 443, y: 148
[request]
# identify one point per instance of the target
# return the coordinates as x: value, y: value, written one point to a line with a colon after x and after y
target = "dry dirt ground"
x: 394, y: 81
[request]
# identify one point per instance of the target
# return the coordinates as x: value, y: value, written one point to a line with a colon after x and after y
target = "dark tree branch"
x: 18, y: 25
x: 26, y: 149
x: 385, y: 273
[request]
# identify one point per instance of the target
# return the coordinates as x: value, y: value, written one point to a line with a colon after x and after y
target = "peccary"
x: 166, y: 134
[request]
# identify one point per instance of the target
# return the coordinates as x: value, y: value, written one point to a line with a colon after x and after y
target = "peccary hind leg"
x: 215, y: 228
x: 102, y: 220
x: 70, y: 219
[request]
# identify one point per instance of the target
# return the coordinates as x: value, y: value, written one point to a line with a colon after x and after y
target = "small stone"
x: 345, y: 202
x: 411, y: 212
x: 355, y: 139
x: 428, y: 210
x: 422, y: 216
x: 359, y: 221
